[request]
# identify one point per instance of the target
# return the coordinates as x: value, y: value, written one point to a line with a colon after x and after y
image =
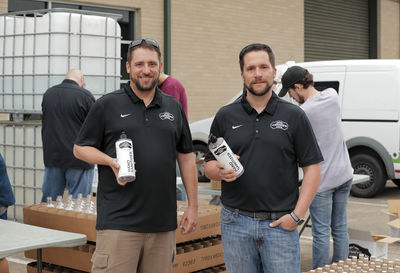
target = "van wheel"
x: 200, y: 151
x: 368, y: 165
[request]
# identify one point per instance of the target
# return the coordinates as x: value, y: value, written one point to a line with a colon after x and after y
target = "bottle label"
x: 225, y: 156
x: 125, y: 157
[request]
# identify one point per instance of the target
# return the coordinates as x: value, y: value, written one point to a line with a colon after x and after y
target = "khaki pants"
x: 120, y: 251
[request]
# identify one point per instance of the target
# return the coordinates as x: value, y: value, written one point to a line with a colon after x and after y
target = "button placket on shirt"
x: 146, y: 117
x: 257, y: 127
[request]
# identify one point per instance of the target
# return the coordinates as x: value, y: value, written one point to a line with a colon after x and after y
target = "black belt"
x: 262, y: 215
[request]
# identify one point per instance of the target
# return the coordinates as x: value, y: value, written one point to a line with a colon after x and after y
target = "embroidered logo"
x: 123, y: 116
x: 237, y: 126
x: 279, y: 124
x: 166, y: 115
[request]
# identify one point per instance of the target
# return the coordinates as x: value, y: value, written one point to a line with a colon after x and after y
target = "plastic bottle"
x: 224, y: 155
x: 125, y: 157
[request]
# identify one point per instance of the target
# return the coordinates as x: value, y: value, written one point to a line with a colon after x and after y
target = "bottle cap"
x: 212, y: 139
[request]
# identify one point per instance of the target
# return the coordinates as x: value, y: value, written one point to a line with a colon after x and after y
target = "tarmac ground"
x: 363, y: 214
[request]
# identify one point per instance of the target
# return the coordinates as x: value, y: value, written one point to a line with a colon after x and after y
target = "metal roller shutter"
x: 336, y: 29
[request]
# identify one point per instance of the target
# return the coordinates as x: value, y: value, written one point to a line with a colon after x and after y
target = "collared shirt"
x: 158, y: 132
x: 271, y: 146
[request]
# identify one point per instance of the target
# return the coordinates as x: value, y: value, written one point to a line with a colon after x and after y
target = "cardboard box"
x: 394, y: 222
x: 49, y: 268
x: 196, y: 258
x: 393, y: 226
x: 215, y: 269
x: 59, y: 219
x: 394, y: 207
x: 377, y: 245
x: 209, y: 222
x: 72, y: 257
x: 42, y: 216
x: 215, y: 184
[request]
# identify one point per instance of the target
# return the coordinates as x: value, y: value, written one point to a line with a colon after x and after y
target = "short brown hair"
x: 143, y: 43
x: 256, y: 47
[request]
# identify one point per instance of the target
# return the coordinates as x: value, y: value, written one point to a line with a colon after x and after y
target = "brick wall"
x: 3, y: 6
x: 207, y: 38
x: 389, y: 29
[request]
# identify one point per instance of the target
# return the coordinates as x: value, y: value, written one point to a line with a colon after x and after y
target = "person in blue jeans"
x: 263, y: 207
x: 65, y: 107
x: 329, y: 208
x: 6, y: 199
x: 6, y: 194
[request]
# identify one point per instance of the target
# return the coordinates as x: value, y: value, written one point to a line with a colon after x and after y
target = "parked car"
x: 369, y: 93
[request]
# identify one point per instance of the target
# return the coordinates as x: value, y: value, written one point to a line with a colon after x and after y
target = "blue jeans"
x: 252, y: 246
x: 328, y: 211
x: 56, y: 179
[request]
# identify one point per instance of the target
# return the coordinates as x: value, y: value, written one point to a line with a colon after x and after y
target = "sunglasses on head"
x: 137, y: 42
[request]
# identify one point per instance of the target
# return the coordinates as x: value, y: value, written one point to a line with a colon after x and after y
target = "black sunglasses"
x: 137, y: 42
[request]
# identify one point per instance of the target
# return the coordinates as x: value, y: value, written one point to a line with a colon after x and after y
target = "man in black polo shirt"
x: 136, y: 221
x: 64, y: 108
x: 262, y: 207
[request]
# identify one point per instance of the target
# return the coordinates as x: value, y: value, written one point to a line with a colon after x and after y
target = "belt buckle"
x: 263, y: 218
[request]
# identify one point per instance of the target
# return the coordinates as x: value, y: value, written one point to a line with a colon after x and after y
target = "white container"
x: 38, y: 51
x: 224, y: 155
x: 125, y: 157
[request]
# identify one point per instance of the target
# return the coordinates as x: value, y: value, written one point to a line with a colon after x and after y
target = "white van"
x: 369, y: 91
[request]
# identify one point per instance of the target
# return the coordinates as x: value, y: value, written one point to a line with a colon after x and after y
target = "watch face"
x: 301, y: 221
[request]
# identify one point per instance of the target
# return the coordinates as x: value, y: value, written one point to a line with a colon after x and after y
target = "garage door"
x: 336, y: 29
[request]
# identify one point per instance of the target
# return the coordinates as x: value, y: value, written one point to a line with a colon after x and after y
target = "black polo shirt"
x: 64, y: 108
x: 158, y: 132
x: 271, y: 145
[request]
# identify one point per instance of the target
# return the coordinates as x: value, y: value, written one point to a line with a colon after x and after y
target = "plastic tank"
x: 39, y: 47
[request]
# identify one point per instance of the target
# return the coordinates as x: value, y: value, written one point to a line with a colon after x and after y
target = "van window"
x: 320, y: 86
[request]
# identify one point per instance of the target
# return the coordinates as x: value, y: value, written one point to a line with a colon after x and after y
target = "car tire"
x: 200, y: 151
x: 368, y: 165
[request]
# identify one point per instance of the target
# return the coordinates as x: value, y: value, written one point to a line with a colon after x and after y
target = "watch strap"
x: 298, y: 220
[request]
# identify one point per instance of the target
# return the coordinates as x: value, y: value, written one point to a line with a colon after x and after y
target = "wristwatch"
x: 298, y: 220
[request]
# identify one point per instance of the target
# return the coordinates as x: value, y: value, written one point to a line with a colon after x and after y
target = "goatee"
x: 142, y: 88
x: 263, y: 92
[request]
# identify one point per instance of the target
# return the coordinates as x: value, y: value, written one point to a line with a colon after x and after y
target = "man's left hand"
x: 286, y: 222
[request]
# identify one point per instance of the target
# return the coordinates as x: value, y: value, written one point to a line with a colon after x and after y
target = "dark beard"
x: 265, y: 91
x: 145, y: 89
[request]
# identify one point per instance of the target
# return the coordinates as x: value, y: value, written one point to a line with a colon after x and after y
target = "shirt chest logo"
x: 166, y: 115
x: 279, y: 124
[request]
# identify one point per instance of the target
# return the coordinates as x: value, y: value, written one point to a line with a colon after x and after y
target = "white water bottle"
x: 125, y: 157
x: 224, y: 155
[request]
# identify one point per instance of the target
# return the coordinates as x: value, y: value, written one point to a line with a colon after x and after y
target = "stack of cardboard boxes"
x: 199, y: 251
x: 394, y: 218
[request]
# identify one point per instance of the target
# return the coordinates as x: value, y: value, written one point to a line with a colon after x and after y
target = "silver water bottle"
x: 224, y: 155
x: 125, y: 157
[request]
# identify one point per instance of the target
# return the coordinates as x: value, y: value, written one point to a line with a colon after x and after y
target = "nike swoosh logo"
x: 122, y: 116
x: 235, y: 127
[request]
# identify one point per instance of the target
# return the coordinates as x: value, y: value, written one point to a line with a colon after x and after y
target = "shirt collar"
x: 70, y: 81
x: 271, y: 106
x: 157, y: 100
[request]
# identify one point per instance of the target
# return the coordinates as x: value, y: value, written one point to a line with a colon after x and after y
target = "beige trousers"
x: 120, y: 251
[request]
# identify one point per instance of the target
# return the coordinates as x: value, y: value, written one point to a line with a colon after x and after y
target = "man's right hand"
x: 227, y: 175
x: 115, y: 167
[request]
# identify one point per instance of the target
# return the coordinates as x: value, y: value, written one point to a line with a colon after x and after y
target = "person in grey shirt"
x: 329, y: 208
